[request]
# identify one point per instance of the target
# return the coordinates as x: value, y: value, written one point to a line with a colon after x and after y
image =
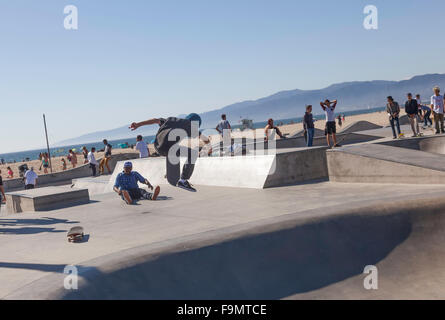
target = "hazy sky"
x: 135, y: 59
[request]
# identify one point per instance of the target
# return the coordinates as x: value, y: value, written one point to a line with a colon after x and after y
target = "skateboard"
x: 75, y: 234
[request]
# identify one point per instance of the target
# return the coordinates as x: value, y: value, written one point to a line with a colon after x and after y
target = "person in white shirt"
x: 30, y: 179
x: 142, y: 147
x: 92, y: 160
x: 330, y: 130
x: 437, y: 103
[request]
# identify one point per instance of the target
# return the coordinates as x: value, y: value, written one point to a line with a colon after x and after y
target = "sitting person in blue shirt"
x: 126, y: 185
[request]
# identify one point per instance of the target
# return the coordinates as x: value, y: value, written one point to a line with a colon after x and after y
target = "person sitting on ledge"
x: 126, y: 186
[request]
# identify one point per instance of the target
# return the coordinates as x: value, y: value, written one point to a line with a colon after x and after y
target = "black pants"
x: 427, y: 118
x: 174, y: 166
x: 136, y: 194
x: 93, y: 168
x: 29, y: 186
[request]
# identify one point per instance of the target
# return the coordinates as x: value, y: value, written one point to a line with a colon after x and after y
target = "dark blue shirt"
x: 128, y: 181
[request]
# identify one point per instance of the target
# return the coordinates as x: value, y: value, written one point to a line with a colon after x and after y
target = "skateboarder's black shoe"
x: 186, y: 185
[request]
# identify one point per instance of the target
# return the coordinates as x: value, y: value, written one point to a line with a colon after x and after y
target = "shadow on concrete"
x: 68, y: 205
x: 289, y: 260
x: 38, y: 222
x: 29, y: 230
x: 58, y: 268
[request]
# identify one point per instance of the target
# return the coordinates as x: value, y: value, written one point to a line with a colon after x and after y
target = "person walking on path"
x: 437, y: 103
x: 308, y: 125
x: 412, y: 110
x: 92, y: 160
x: 393, y: 110
x: 330, y: 129
x: 107, y: 156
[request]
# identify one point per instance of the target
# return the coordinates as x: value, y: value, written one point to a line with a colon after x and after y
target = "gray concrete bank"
x: 44, y: 199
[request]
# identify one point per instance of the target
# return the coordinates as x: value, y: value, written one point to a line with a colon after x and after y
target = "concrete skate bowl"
x: 435, y: 144
x: 300, y: 133
x: 360, y: 126
x: 286, y: 258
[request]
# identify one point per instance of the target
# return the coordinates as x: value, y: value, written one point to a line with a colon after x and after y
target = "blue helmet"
x: 194, y: 117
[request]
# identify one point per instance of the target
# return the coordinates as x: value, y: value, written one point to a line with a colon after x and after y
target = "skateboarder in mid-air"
x: 170, y: 134
x: 126, y: 185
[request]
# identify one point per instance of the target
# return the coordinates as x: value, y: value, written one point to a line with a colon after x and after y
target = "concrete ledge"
x: 376, y: 163
x: 257, y: 172
x: 44, y: 199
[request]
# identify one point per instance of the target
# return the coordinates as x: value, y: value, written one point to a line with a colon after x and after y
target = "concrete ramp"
x: 257, y: 172
x: 374, y: 163
x: 360, y: 126
x: 318, y: 133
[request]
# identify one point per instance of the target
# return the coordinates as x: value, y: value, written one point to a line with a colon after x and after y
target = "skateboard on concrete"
x: 75, y: 234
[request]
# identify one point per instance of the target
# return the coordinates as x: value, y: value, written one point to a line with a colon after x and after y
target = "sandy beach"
x: 379, y: 118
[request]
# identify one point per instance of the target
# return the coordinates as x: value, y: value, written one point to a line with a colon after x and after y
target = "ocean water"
x: 63, y: 151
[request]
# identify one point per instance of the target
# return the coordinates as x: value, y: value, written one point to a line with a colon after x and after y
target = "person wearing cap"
x: 168, y: 143
x: 126, y: 185
x: 412, y: 110
x: 437, y: 106
x: 30, y: 179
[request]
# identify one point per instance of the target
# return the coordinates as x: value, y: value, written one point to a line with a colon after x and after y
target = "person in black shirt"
x: 412, y: 109
x: 308, y: 124
x: 170, y: 134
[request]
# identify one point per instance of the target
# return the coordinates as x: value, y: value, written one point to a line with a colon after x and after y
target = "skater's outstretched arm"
x: 136, y: 125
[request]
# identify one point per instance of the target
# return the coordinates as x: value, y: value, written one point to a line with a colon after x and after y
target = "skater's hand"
x: 133, y: 126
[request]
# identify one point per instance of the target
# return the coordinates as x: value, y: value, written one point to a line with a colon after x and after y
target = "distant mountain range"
x: 291, y: 104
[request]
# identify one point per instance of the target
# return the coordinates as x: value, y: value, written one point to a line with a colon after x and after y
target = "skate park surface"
x: 311, y: 239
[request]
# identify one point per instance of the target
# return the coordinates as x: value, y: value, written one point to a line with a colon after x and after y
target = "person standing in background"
x: 85, y: 155
x: 92, y: 161
x: 2, y: 190
x: 73, y: 157
x: 308, y: 124
x: 107, y: 156
x: 425, y: 113
x: 437, y: 102
x: 63, y: 164
x: 330, y: 129
x: 30, y: 179
x: 393, y: 110
x: 412, y: 110
x: 142, y: 147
